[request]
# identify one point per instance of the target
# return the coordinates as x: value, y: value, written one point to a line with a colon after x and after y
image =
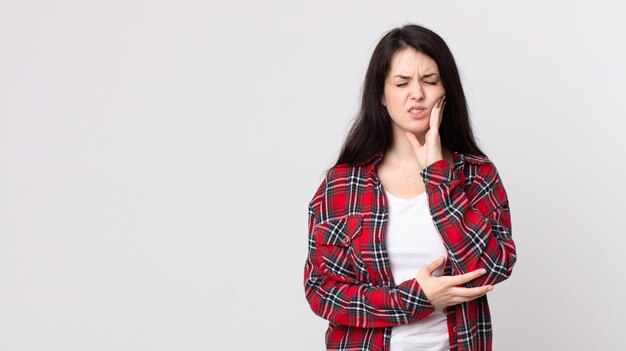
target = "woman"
x: 411, y: 227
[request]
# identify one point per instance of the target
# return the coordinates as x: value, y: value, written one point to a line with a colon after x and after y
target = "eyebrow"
x: 408, y: 77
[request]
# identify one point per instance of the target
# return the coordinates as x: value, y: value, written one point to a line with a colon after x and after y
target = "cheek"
x: 439, y: 91
x: 397, y: 98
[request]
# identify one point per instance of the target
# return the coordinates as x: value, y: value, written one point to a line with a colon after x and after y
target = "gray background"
x: 157, y: 159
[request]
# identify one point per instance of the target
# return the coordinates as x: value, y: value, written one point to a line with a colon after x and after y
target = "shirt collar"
x: 374, y: 159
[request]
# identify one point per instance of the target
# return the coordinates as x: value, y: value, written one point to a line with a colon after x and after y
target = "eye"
x: 401, y: 85
x: 432, y: 83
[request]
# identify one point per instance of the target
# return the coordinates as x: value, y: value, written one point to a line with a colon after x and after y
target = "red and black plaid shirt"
x: 347, y: 275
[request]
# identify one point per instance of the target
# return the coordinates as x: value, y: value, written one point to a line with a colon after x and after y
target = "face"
x: 413, y: 80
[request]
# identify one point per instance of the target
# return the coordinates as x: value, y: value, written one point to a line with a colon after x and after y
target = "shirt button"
x: 454, y: 329
x: 345, y: 240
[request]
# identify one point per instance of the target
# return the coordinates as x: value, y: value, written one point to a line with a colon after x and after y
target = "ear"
x: 382, y: 100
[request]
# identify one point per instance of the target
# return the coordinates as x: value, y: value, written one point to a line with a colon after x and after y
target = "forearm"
x: 339, y: 297
x: 364, y: 305
x: 475, y: 226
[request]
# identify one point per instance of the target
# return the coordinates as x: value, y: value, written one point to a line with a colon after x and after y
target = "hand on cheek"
x: 430, y: 151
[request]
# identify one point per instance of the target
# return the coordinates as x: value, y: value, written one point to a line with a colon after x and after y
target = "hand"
x: 430, y: 151
x: 443, y: 291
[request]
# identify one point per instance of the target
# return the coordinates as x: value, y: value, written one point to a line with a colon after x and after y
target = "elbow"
x: 312, y: 291
x: 501, y: 270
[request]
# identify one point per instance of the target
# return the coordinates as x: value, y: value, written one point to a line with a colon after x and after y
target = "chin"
x: 413, y: 127
x: 418, y: 130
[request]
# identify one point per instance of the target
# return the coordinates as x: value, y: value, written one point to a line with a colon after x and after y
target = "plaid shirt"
x: 347, y: 274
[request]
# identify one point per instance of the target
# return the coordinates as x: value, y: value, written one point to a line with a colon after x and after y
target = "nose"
x: 416, y: 91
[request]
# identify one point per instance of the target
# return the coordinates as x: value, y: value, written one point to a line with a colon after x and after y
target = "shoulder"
x: 483, y: 178
x: 476, y: 163
x: 473, y: 159
x: 340, y: 180
x: 478, y: 170
x: 342, y: 174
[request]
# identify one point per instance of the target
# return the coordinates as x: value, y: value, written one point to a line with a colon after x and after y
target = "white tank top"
x: 412, y: 242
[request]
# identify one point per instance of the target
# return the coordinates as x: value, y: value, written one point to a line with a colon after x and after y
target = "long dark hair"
x: 372, y: 130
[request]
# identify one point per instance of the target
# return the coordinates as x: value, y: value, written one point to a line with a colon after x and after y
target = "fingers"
x: 445, y: 291
x: 436, y: 113
x: 460, y: 295
x: 443, y: 105
x: 431, y: 267
x: 440, y: 101
x: 464, y: 278
x: 471, y: 293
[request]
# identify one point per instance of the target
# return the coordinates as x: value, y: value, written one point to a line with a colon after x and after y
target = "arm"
x: 475, y: 226
x: 359, y: 304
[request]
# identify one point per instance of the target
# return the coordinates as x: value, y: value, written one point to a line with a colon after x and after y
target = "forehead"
x: 408, y: 61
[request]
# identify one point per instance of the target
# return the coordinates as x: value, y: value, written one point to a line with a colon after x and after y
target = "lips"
x: 416, y: 109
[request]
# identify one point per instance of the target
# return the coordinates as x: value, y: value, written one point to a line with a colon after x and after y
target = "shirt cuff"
x: 439, y: 172
x: 414, y: 299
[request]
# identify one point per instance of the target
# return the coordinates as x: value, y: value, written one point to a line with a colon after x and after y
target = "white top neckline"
x: 404, y: 198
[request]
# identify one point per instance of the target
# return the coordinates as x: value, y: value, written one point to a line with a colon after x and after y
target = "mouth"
x: 417, y: 111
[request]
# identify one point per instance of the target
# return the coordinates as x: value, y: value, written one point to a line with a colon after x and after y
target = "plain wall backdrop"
x: 157, y: 159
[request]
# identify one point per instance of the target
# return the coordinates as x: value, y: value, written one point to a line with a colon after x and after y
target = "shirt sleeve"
x: 359, y: 304
x: 475, y: 225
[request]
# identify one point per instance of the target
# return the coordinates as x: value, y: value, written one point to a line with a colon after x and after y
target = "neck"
x: 401, y: 152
